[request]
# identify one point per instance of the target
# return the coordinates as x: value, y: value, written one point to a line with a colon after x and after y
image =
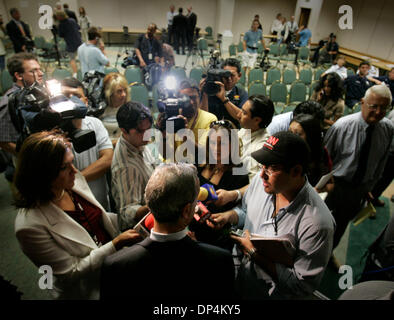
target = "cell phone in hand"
x: 238, y: 233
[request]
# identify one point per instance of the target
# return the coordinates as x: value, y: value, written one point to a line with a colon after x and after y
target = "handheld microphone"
x: 207, y: 193
x: 149, y: 222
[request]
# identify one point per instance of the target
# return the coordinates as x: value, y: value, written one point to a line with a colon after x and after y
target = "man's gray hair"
x: 169, y: 189
x: 380, y: 90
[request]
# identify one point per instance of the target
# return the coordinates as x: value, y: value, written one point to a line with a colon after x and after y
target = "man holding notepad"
x: 280, y: 203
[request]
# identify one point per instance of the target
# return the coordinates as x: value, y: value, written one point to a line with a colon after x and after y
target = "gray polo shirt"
x: 308, y: 220
x: 344, y: 141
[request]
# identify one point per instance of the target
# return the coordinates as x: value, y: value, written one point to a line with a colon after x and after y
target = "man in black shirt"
x: 148, y: 48
x: 70, y: 13
x: 227, y: 103
x: 191, y: 25
x: 329, y: 52
x: 357, y: 85
x: 179, y: 25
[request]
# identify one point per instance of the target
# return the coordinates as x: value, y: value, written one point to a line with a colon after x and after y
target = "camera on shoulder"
x: 214, y: 73
x: 170, y: 103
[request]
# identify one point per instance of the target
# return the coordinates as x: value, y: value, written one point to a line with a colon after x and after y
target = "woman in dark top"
x: 222, y: 150
x: 309, y: 128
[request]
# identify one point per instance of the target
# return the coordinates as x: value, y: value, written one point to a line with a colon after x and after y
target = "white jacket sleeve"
x: 41, y: 247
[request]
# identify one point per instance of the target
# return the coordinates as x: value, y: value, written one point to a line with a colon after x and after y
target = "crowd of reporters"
x: 65, y: 198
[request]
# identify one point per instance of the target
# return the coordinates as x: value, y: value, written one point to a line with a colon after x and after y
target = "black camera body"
x: 93, y: 82
x: 214, y: 73
x: 32, y: 109
x: 169, y: 104
x: 130, y: 60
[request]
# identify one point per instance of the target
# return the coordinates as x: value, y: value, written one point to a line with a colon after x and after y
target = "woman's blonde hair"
x: 111, y: 82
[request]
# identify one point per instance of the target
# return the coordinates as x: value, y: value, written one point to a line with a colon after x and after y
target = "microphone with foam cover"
x: 207, y: 193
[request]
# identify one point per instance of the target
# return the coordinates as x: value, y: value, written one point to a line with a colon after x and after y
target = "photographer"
x: 194, y: 118
x: 329, y: 52
x: 227, y: 103
x: 25, y: 70
x: 148, y: 48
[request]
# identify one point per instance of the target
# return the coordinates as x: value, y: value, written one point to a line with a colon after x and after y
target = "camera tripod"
x: 126, y: 38
x: 263, y: 64
x: 54, y: 31
x: 195, y: 55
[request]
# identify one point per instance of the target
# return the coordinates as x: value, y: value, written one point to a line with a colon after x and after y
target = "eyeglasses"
x: 224, y: 123
x: 375, y: 107
x: 270, y: 170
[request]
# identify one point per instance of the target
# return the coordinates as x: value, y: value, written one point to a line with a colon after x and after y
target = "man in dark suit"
x: 19, y: 32
x: 169, y: 264
x: 191, y: 25
x: 179, y: 25
x: 70, y: 13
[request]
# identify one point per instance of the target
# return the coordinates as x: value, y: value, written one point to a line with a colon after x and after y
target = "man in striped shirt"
x: 132, y: 164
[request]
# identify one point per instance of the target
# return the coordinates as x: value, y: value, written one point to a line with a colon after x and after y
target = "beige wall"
x: 29, y: 13
x: 138, y: 14
x: 245, y: 10
x: 373, y: 26
x: 372, y: 32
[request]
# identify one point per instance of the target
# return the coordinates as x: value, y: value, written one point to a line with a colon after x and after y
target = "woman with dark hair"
x: 59, y: 223
x: 223, y: 151
x: 84, y: 23
x: 329, y: 93
x: 308, y: 128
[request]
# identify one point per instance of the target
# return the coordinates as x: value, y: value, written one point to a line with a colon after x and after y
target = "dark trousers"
x: 275, y: 33
x: 344, y: 202
x: 171, y: 36
x: 386, y: 179
x: 180, y: 39
x: 189, y: 38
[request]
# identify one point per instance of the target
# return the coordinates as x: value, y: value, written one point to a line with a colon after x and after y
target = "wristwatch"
x: 250, y: 253
x: 226, y: 100
x: 239, y: 195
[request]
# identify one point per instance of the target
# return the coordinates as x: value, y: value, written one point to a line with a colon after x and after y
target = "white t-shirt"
x: 341, y: 71
x: 84, y: 159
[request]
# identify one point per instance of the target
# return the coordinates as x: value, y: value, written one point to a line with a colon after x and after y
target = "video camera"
x: 44, y: 107
x: 263, y: 64
x: 169, y: 104
x: 93, y: 82
x: 130, y: 60
x: 214, y: 73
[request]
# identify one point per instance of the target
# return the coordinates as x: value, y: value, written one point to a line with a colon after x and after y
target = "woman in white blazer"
x: 59, y: 223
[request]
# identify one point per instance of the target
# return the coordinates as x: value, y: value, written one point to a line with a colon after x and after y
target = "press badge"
x: 150, y: 56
